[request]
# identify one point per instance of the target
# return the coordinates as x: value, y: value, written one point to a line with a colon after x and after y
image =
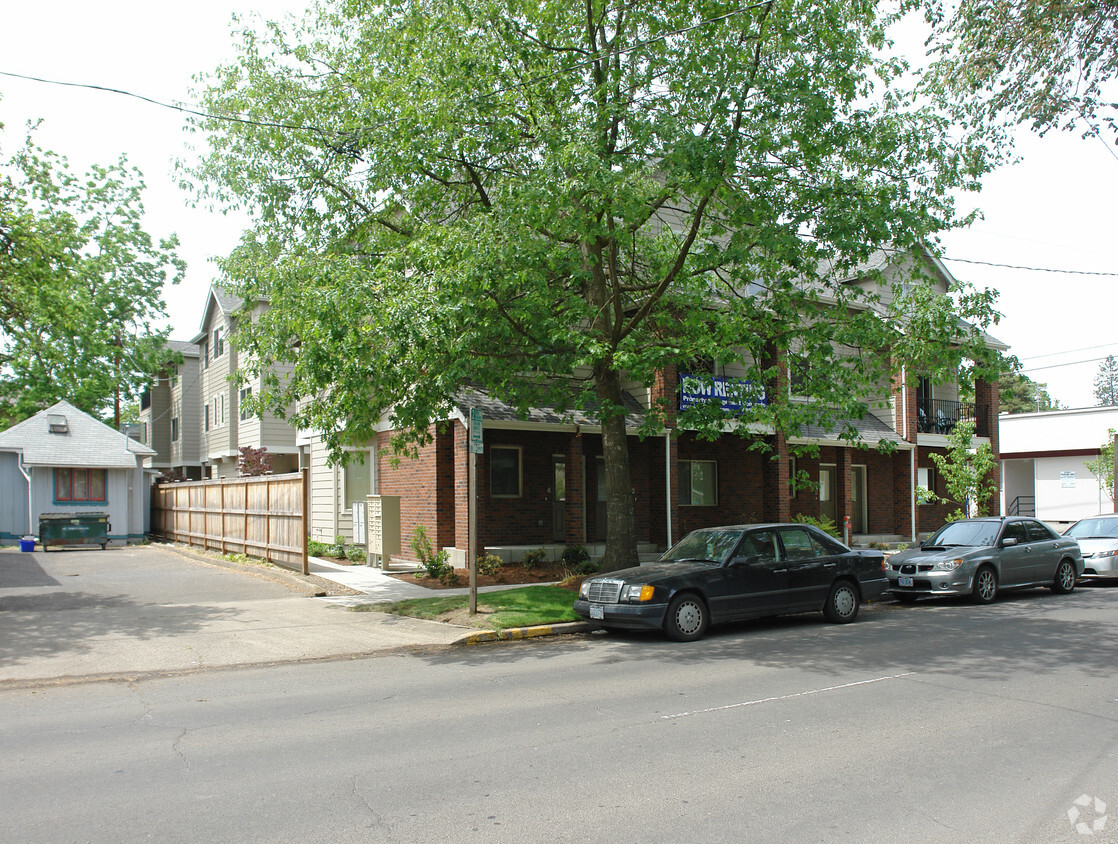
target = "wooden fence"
x: 264, y: 517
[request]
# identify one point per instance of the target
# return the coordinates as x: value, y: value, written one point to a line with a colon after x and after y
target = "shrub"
x: 355, y: 554
x: 316, y: 548
x: 489, y: 564
x: 587, y: 567
x: 574, y: 556
x: 430, y: 563
x: 535, y: 558
x: 822, y: 522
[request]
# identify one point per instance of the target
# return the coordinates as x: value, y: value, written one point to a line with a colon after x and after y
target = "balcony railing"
x: 940, y: 416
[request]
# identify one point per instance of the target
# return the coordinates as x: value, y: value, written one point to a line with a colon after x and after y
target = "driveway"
x: 126, y: 612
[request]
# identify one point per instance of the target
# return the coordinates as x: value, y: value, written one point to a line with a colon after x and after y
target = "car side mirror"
x: 1009, y: 542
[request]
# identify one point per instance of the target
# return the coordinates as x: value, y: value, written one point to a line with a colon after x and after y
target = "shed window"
x: 79, y: 485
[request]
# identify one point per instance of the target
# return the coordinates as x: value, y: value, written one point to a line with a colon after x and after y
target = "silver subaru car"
x: 979, y: 557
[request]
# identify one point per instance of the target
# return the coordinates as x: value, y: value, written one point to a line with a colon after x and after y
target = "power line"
x: 1059, y: 365
x: 1070, y: 351
x: 1031, y: 269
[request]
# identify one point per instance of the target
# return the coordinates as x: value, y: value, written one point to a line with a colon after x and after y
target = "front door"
x: 827, y: 492
x: 858, y: 499
x: 559, y: 499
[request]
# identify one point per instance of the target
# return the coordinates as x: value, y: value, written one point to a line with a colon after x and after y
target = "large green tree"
x: 1050, y: 62
x: 547, y: 199
x: 80, y: 286
x: 1018, y: 393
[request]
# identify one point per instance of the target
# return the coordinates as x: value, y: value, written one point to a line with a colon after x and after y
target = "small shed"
x: 62, y: 462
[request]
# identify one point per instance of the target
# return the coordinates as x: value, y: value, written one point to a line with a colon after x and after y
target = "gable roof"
x: 227, y: 303
x: 84, y: 442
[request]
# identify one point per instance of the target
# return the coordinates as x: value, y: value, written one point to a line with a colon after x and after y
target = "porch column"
x: 777, y: 505
x: 844, y: 495
x: 576, y: 492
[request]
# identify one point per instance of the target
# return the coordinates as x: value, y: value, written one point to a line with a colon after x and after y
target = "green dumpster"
x: 79, y: 529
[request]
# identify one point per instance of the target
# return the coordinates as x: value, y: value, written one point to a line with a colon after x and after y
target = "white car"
x: 1098, y: 540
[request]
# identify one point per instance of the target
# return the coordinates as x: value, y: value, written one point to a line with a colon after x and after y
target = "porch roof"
x: 495, y: 410
x: 871, y: 432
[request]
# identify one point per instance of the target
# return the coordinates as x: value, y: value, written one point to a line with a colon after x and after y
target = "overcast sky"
x: 1052, y: 211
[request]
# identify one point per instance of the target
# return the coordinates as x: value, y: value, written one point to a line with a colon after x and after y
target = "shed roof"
x: 72, y: 438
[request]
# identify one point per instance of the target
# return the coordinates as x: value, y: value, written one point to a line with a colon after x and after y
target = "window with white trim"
x: 698, y: 483
x: 246, y: 392
x: 926, y: 480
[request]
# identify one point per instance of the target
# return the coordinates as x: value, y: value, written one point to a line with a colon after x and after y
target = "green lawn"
x: 498, y: 610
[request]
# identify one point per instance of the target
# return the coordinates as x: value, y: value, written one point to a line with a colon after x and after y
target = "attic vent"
x: 57, y: 424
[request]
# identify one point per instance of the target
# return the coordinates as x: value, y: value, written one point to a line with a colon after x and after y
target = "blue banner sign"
x: 731, y: 393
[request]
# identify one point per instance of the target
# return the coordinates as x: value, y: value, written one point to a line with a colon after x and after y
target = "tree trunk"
x: 621, y: 536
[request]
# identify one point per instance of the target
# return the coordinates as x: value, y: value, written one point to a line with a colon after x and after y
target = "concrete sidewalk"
x: 148, y: 610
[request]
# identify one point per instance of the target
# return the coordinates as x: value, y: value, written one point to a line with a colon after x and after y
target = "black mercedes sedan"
x: 731, y: 573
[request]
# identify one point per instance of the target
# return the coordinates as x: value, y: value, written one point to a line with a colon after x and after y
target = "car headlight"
x: 584, y: 590
x: 947, y: 565
x: 636, y: 593
x: 1109, y: 553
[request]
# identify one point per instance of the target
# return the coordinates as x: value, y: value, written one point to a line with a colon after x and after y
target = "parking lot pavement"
x: 131, y: 611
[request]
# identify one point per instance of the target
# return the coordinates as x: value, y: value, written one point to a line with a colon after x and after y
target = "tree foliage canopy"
x: 1051, y: 62
x: 1018, y: 393
x: 1106, y: 382
x: 545, y: 199
x: 80, y: 285
x: 1102, y: 467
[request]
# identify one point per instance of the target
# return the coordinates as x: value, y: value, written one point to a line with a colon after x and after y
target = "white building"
x: 1044, y: 463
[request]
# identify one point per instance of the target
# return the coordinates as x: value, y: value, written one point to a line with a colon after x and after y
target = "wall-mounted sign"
x: 730, y: 393
x: 1067, y: 480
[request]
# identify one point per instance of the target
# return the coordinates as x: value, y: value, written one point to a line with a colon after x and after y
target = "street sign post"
x: 476, y: 447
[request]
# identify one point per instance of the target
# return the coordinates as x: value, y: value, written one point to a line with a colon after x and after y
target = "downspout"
x: 30, y: 504
x: 668, y: 481
x: 912, y: 489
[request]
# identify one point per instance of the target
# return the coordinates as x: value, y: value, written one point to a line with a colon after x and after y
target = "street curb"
x: 513, y: 633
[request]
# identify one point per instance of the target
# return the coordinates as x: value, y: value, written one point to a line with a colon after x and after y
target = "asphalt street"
x: 937, y: 722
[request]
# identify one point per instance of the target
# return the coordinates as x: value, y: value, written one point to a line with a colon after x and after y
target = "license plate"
x: 904, y: 581
x: 597, y: 611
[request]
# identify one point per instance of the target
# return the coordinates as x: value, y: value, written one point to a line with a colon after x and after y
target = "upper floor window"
x: 79, y: 485
x: 219, y: 343
x: 246, y: 393
x: 174, y: 429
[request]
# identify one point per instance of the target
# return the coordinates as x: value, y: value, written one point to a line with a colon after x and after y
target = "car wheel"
x: 1064, y: 581
x: 905, y: 597
x: 842, y: 603
x: 985, y: 586
x: 687, y: 618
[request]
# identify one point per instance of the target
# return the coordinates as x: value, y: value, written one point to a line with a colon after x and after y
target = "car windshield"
x: 967, y: 534
x: 715, y: 546
x: 1094, y: 529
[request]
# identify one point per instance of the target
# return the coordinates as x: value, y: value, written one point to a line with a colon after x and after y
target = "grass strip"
x: 498, y: 610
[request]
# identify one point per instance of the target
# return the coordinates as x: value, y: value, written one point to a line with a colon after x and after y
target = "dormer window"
x: 57, y: 424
